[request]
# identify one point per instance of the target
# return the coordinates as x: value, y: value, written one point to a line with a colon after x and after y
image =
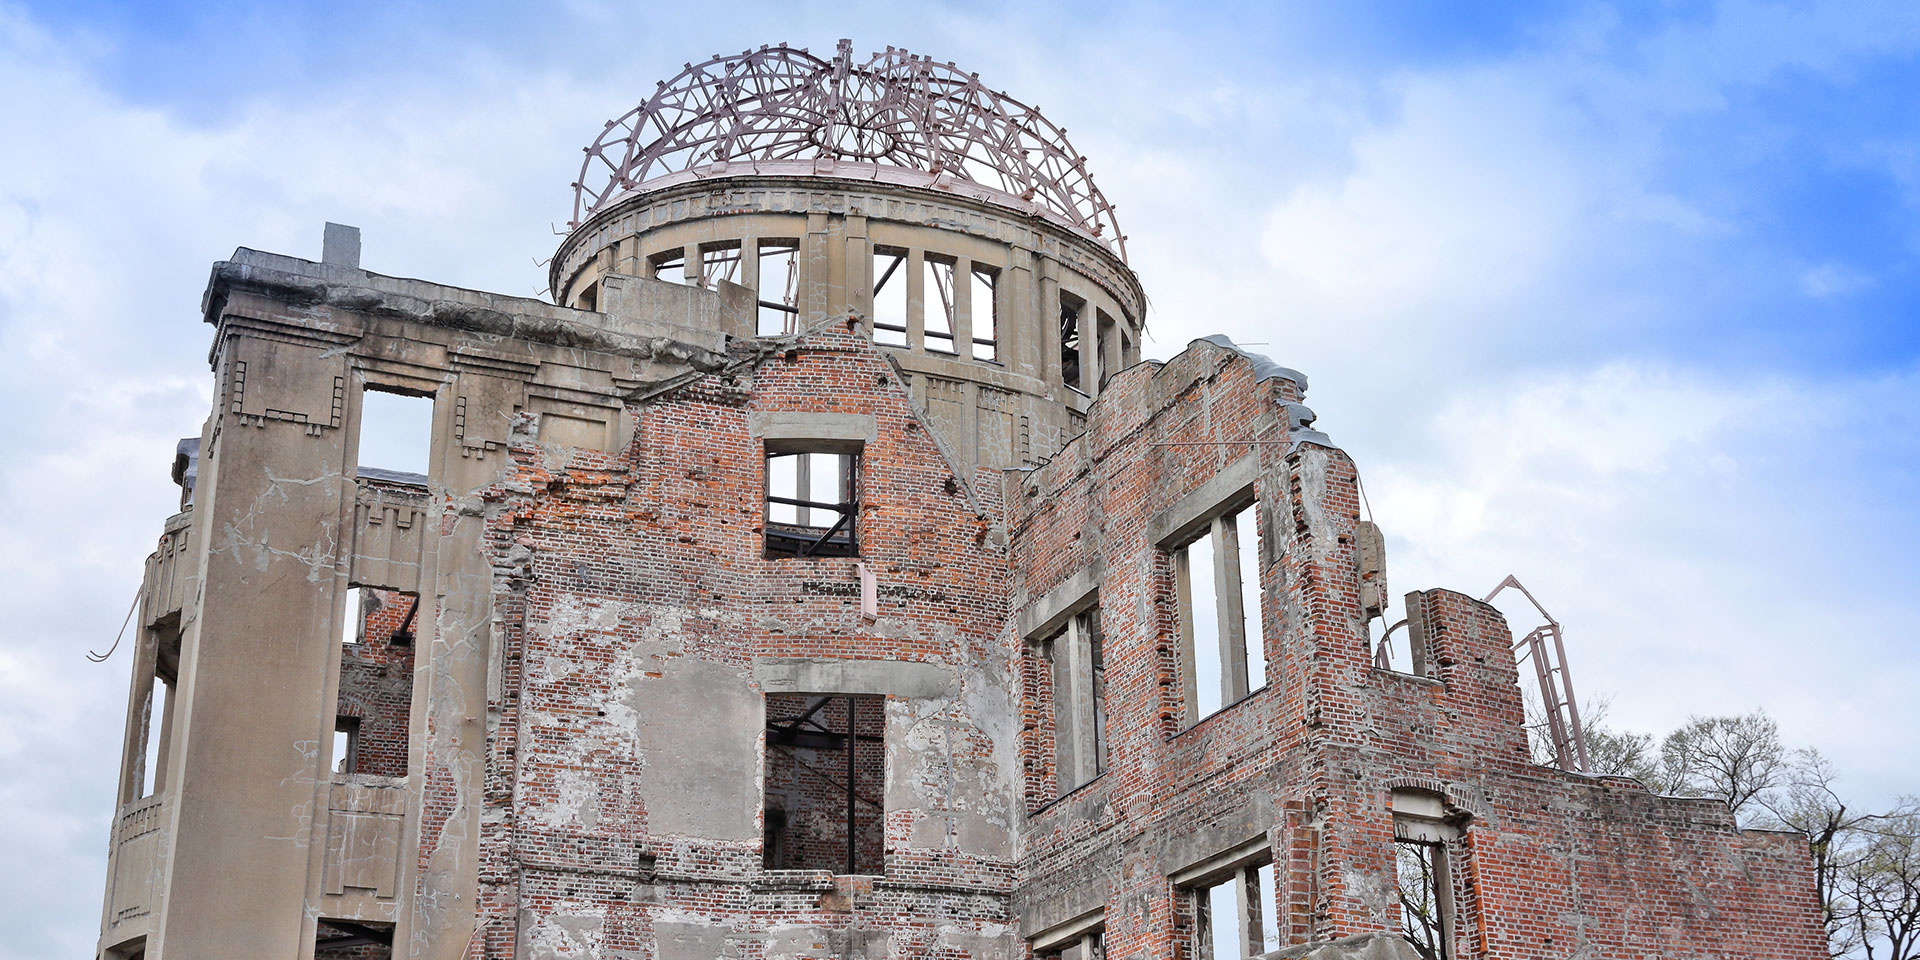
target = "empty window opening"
x: 351, y: 940
x: 1420, y: 869
x: 1235, y: 916
x: 668, y: 267
x: 825, y: 783
x: 159, y: 733
x: 396, y: 436
x: 346, y: 744
x: 1087, y: 946
x: 937, y: 330
x: 354, y: 617
x: 1217, y: 581
x: 778, y: 287
x: 1423, y: 871
x: 890, y: 297
x: 812, y: 503
x: 1070, y: 311
x: 983, y: 311
x: 1248, y: 539
x: 719, y: 261
x: 1079, y: 700
x: 1109, y: 348
x: 376, y: 682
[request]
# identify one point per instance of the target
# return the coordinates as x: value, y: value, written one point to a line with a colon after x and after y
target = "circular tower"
x: 955, y: 225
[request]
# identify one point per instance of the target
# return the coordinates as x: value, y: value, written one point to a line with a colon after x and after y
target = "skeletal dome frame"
x: 896, y: 110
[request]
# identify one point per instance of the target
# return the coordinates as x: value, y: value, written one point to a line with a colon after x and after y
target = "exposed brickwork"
x: 376, y: 684
x: 1550, y: 864
x: 603, y: 640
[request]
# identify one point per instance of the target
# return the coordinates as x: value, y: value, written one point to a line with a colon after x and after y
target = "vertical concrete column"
x: 750, y: 271
x: 859, y: 272
x: 1047, y: 324
x: 963, y: 307
x: 626, y: 258
x: 254, y: 665
x: 1090, y: 349
x: 692, y: 266
x: 455, y: 706
x: 917, y: 303
x: 1232, y: 618
x: 1016, y: 327
x: 813, y: 264
x: 1085, y: 753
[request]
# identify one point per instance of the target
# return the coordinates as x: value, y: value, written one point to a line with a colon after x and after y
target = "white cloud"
x: 1682, y: 528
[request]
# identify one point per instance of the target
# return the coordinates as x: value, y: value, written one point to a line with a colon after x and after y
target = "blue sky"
x: 1620, y: 298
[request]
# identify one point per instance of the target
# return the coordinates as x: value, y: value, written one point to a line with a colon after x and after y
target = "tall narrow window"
x: 346, y: 744
x: 779, y: 290
x: 376, y: 683
x: 1222, y: 636
x: 937, y: 329
x: 1108, y: 346
x: 1070, y: 310
x: 1423, y: 874
x: 396, y: 435
x: 719, y: 261
x: 1234, y: 913
x: 985, y: 343
x: 354, y: 617
x: 159, y: 731
x: 825, y: 783
x: 890, y: 296
x: 1079, y: 700
x: 812, y: 503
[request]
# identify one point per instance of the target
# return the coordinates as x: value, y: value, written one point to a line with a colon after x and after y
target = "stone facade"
x: 593, y: 708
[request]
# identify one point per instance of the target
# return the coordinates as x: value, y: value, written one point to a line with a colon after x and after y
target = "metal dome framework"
x: 784, y: 104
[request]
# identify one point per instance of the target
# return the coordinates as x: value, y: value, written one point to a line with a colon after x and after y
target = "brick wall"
x: 1550, y: 864
x: 376, y: 684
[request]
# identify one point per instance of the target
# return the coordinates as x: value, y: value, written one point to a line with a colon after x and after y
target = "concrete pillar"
x: 691, y: 266
x: 254, y: 668
x: 858, y: 267
x: 1090, y: 350
x: 1020, y: 324
x: 1048, y: 323
x: 917, y: 302
x: 963, y: 307
x: 1232, y: 620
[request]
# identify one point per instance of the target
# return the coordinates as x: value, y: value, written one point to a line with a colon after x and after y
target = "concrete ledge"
x: 790, y: 431
x: 1366, y: 946
x: 1227, y: 491
x: 897, y: 678
x: 1070, y: 596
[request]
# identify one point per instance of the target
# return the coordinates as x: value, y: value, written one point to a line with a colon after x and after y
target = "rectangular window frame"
x: 1249, y: 868
x: 938, y: 301
x: 1424, y: 838
x: 804, y: 539
x: 1239, y: 633
x: 891, y: 266
x: 777, y: 315
x: 806, y: 731
x: 985, y: 280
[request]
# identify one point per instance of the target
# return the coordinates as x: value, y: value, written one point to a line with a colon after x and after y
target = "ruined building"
x: 824, y: 574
